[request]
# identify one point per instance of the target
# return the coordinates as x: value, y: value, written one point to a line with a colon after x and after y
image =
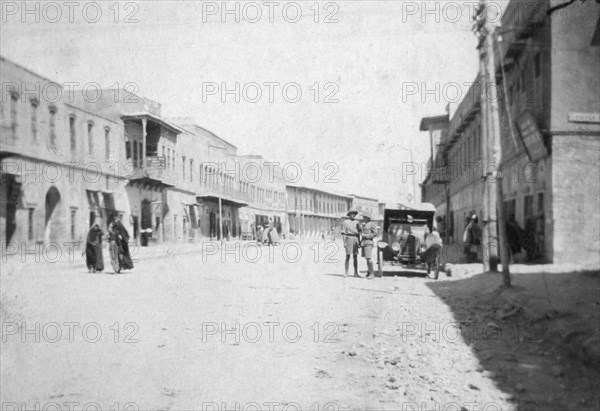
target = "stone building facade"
x: 71, y: 159
x: 549, y: 100
x: 62, y: 167
x: 310, y: 211
x: 549, y: 72
x: 264, y: 183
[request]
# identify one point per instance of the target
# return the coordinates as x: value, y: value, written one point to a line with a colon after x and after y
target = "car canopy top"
x: 420, y: 214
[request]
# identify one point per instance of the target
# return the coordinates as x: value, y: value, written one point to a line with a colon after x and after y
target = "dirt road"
x: 236, y: 330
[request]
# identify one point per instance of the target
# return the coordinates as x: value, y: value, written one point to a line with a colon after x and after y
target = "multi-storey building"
x: 265, y: 183
x: 67, y: 163
x: 310, y: 211
x: 550, y: 127
x: 433, y: 189
x: 370, y: 205
x: 214, y: 175
x: 454, y: 184
x: 548, y: 67
x: 62, y: 166
x: 155, y: 165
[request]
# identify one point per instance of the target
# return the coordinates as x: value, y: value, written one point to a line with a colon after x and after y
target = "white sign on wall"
x: 584, y: 117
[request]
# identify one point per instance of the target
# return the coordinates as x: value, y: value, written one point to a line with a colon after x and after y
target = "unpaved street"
x: 182, y: 333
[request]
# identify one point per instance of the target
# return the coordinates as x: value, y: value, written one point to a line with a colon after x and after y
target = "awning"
x: 224, y: 199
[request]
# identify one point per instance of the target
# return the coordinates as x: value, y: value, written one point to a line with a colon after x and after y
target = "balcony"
x: 154, y: 173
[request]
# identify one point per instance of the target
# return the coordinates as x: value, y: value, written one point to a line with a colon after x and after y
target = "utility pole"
x: 491, y: 142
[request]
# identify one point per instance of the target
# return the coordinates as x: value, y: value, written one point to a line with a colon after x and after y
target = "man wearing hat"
x: 350, y: 234
x: 369, y: 232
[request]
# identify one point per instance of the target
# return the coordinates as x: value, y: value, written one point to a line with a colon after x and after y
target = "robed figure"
x: 93, y: 250
x: 122, y: 241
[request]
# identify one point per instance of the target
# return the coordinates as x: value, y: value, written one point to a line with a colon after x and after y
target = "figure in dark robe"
x: 122, y: 240
x: 93, y: 250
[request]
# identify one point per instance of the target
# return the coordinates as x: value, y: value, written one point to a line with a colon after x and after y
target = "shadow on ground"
x: 539, y: 340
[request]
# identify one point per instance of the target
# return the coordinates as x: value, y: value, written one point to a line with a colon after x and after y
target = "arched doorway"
x: 53, y: 215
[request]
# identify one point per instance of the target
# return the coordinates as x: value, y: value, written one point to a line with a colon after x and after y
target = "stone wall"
x: 576, y: 198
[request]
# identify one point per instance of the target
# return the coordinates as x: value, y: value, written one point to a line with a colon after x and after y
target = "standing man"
x: 433, y: 244
x: 259, y: 235
x: 466, y: 239
x: 351, y: 234
x: 368, y: 242
x: 473, y: 236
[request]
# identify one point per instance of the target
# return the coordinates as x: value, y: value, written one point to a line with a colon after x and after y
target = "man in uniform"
x: 350, y: 234
x: 369, y: 232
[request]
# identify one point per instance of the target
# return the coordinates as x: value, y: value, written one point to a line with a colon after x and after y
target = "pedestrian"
x: 113, y: 249
x: 93, y: 249
x: 368, y: 235
x: 513, y: 237
x: 350, y: 234
x: 332, y: 234
x: 323, y: 233
x: 266, y: 234
x: 473, y: 239
x: 433, y: 244
x: 122, y: 240
x: 466, y: 239
x: 273, y: 235
x: 259, y: 235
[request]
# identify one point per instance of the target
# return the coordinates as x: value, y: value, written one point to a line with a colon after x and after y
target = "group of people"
x: 517, y: 238
x: 355, y: 236
x: 118, y: 239
x: 267, y: 234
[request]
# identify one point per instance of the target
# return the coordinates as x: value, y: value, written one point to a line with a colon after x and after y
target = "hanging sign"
x: 531, y: 136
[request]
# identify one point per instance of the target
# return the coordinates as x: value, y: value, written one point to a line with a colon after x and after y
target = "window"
x: 34, y: 120
x: 90, y: 130
x: 168, y: 158
x: 14, y: 99
x: 30, y: 224
x: 52, y: 125
x: 540, y: 204
x: 135, y: 153
x: 127, y: 150
x: 183, y: 166
x: 107, y: 142
x: 72, y: 133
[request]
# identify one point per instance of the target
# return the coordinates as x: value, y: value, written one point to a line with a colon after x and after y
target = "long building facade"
x: 550, y: 135
x: 70, y: 160
x: 312, y: 211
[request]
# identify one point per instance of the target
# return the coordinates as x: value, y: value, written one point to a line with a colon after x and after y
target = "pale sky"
x: 173, y: 50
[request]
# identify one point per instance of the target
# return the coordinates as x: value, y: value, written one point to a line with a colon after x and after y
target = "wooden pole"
x: 484, y: 161
x: 497, y: 157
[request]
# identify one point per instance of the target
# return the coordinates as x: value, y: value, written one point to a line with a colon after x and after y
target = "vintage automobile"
x: 403, y: 239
